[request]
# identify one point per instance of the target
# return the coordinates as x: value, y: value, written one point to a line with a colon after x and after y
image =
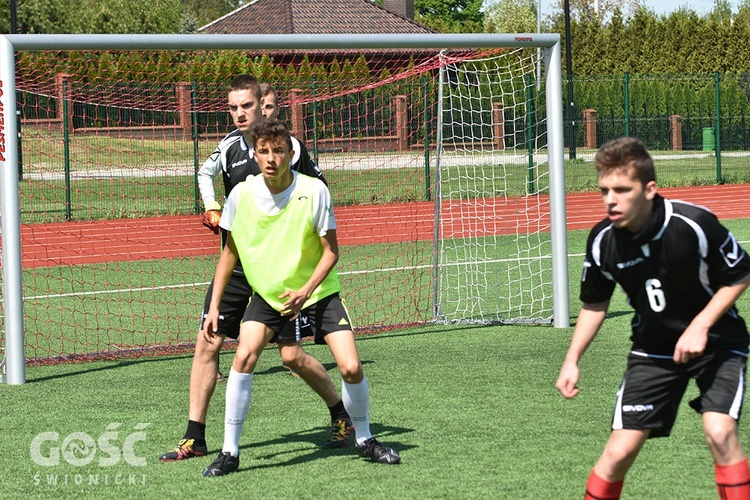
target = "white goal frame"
x: 549, y: 44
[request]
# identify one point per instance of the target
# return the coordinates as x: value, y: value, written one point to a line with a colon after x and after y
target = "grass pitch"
x: 472, y: 410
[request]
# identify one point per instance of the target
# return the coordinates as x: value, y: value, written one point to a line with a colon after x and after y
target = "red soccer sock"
x: 733, y: 481
x: 599, y: 489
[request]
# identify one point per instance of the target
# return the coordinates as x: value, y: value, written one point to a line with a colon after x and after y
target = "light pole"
x: 570, y: 108
x: 13, y: 18
x: 538, y: 50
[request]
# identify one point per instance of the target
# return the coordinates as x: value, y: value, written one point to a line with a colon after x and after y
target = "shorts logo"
x: 637, y: 408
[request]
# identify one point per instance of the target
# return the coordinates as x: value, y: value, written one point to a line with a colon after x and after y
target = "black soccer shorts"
x: 234, y: 302
x: 325, y: 316
x: 653, y: 387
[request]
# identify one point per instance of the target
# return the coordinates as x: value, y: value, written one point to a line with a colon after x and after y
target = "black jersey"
x: 233, y: 158
x: 669, y: 273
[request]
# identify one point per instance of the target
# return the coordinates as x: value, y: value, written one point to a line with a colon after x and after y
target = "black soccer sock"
x: 196, y: 430
x: 338, y: 412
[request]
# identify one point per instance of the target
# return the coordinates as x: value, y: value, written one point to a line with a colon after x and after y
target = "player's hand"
x: 293, y: 305
x: 210, y: 326
x: 567, y: 381
x: 211, y: 220
x: 691, y: 343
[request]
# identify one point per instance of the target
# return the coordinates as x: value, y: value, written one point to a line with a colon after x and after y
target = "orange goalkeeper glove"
x: 212, y: 216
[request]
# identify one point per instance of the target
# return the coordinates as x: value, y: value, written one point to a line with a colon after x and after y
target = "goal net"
x: 494, y: 240
x: 437, y: 161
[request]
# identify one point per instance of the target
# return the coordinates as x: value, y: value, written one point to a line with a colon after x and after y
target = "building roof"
x: 267, y: 17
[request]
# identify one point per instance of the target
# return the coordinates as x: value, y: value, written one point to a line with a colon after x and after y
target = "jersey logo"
x: 630, y: 263
x: 731, y: 251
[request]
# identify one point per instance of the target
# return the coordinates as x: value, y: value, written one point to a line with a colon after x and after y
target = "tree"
x: 450, y: 16
x: 511, y: 16
x: 740, y: 39
x: 45, y: 16
x: 95, y: 16
x: 5, y: 17
x: 128, y: 16
x: 722, y: 12
x: 587, y: 10
x: 198, y: 13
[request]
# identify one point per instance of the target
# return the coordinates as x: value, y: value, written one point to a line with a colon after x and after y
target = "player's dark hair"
x: 246, y: 82
x: 625, y: 152
x: 266, y: 89
x: 271, y: 131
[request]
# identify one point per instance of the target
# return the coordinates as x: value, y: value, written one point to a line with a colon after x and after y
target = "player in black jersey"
x: 233, y: 159
x: 269, y: 103
x: 682, y: 272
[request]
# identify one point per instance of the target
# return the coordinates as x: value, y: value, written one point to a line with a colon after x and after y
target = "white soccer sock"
x: 356, y: 398
x: 239, y: 389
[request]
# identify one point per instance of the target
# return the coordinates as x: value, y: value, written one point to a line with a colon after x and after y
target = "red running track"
x: 65, y: 244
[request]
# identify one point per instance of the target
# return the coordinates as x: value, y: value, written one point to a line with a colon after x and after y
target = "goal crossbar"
x: 9, y: 153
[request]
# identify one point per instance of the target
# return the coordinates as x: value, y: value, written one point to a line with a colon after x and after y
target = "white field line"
x: 206, y: 283
x: 339, y: 162
x: 344, y: 273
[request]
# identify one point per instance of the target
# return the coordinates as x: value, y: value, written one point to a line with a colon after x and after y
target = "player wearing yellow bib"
x: 282, y: 224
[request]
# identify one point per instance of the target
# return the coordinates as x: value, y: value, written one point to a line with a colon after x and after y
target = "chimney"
x: 403, y: 8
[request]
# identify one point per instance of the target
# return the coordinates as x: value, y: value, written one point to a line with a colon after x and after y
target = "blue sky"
x: 699, y: 6
x: 661, y: 6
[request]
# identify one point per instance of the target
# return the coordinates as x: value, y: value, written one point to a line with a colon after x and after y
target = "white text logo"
x: 80, y: 449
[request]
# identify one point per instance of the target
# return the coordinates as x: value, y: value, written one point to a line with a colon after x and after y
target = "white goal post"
x: 456, y: 141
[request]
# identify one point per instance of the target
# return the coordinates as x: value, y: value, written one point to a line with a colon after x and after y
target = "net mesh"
x: 494, y: 183
x: 116, y: 261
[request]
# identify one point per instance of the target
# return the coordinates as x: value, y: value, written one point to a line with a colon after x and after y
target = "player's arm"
x: 589, y: 321
x: 227, y: 262
x: 297, y: 298
x: 728, y: 264
x: 692, y: 342
x: 324, y: 224
x: 210, y: 169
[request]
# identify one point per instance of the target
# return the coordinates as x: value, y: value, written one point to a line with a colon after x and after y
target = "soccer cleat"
x: 223, y: 465
x: 339, y: 436
x: 377, y: 452
x: 186, y: 448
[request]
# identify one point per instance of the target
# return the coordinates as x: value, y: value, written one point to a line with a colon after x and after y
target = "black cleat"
x: 223, y: 465
x: 377, y: 452
x: 186, y: 448
x: 339, y: 436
